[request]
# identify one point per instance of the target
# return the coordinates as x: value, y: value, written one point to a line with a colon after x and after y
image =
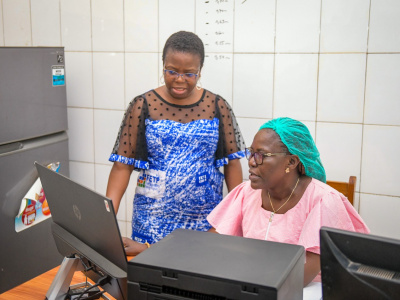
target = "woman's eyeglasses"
x: 259, y: 157
x: 185, y: 76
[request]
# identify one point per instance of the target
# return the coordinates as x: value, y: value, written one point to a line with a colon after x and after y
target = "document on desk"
x: 313, y: 291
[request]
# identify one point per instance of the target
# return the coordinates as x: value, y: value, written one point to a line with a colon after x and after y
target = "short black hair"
x: 184, y: 41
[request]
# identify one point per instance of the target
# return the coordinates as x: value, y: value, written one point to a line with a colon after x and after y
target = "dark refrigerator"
x: 33, y: 124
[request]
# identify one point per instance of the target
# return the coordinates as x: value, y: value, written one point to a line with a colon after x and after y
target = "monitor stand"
x: 61, y: 283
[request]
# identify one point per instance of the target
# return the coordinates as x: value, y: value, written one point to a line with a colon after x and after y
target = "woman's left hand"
x: 132, y: 247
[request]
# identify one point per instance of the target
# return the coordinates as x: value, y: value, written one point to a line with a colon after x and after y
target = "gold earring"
x: 162, y: 79
x: 198, y: 86
x: 287, y: 170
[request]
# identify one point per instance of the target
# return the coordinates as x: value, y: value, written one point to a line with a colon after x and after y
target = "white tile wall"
x: 384, y: 26
x: 297, y: 25
x: 76, y: 25
x: 106, y: 126
x: 17, y: 23
x: 340, y: 144
x: 83, y: 173
x: 258, y: 18
x: 141, y: 71
x: 107, y: 25
x: 344, y: 25
x: 1, y: 24
x: 45, y: 16
x: 141, y: 20
x: 313, y: 60
x: 108, y: 80
x: 381, y: 221
x: 380, y: 172
x: 216, y: 74
x: 295, y: 90
x: 341, y: 84
x: 101, y: 179
x: 79, y: 77
x: 80, y: 134
x: 382, y: 103
x: 249, y: 101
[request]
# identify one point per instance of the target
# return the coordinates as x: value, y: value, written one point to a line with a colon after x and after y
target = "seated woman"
x: 286, y: 199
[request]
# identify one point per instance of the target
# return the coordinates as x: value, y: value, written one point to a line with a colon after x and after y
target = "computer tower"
x: 201, y: 265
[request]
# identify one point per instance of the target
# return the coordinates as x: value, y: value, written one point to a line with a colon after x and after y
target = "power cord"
x: 103, y: 280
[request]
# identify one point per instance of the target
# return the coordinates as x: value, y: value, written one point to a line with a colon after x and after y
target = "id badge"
x: 151, y: 183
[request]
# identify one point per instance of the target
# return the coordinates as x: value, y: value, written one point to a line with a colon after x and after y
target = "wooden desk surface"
x: 36, y: 288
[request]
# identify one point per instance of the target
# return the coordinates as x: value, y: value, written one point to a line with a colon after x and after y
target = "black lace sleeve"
x: 130, y: 146
x: 231, y: 143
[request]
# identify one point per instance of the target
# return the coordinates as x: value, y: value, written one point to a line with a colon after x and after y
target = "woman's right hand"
x: 132, y: 247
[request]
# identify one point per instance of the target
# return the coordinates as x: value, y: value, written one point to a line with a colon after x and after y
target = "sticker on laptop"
x: 107, y: 206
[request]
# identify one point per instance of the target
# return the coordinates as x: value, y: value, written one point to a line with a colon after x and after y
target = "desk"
x: 36, y: 288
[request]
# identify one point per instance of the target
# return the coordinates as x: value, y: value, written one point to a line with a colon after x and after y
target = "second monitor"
x: 359, y: 266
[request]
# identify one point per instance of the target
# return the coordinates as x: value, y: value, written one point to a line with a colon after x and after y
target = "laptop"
x: 85, y: 226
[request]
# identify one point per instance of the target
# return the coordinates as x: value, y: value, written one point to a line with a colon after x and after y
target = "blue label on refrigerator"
x: 58, y: 75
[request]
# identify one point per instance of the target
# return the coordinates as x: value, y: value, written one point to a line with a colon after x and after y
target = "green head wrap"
x: 297, y: 138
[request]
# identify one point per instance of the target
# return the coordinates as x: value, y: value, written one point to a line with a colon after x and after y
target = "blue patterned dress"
x: 179, y: 181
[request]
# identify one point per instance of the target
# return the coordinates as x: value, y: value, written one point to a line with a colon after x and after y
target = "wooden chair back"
x: 346, y: 188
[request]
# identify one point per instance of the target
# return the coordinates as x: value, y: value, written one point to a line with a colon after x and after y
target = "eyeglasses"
x: 259, y: 157
x: 185, y: 76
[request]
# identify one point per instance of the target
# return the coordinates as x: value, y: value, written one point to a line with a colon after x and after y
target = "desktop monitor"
x: 85, y: 227
x: 190, y: 264
x: 359, y: 266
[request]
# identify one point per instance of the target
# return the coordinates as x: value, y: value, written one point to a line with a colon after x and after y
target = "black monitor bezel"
x: 344, y: 252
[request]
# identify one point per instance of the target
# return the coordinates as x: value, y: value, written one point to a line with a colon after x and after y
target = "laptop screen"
x: 88, y: 223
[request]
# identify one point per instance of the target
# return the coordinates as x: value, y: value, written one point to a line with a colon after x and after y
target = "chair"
x: 346, y: 188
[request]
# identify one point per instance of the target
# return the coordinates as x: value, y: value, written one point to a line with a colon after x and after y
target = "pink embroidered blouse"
x: 240, y: 213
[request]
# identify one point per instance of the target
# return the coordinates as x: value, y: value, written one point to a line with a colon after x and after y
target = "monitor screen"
x: 359, y: 266
x: 85, y: 227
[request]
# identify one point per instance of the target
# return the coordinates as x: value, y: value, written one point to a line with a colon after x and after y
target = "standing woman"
x: 177, y: 136
x: 286, y: 199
